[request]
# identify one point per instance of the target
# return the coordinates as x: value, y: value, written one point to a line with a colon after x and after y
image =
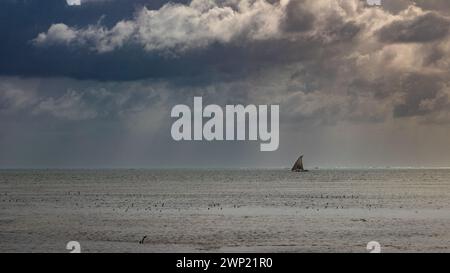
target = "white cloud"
x: 15, y: 98
x: 57, y: 34
x: 70, y: 106
x: 74, y: 2
x: 363, y: 74
x: 177, y: 26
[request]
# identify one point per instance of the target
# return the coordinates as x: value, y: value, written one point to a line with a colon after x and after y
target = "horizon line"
x: 227, y: 168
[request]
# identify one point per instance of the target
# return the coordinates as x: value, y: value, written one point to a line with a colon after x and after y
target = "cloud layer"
x: 177, y: 27
x: 380, y: 74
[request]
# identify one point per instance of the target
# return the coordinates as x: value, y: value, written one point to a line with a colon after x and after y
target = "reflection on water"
x: 225, y: 210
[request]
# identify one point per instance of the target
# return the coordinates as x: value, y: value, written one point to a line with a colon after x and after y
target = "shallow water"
x: 225, y: 210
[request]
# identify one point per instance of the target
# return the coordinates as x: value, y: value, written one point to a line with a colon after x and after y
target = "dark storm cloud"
x: 311, y: 48
x: 65, y: 41
x: 396, y: 6
x: 92, y: 85
x: 22, y: 20
x: 425, y: 28
x: 72, y: 100
x: 417, y: 89
x: 71, y: 49
x: 441, y: 6
x: 321, y: 47
x: 297, y: 17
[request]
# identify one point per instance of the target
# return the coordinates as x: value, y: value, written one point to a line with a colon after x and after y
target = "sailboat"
x: 298, y: 166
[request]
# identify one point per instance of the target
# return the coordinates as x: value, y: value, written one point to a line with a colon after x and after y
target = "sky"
x: 91, y: 83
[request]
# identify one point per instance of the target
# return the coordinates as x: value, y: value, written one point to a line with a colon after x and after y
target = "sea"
x: 225, y: 210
